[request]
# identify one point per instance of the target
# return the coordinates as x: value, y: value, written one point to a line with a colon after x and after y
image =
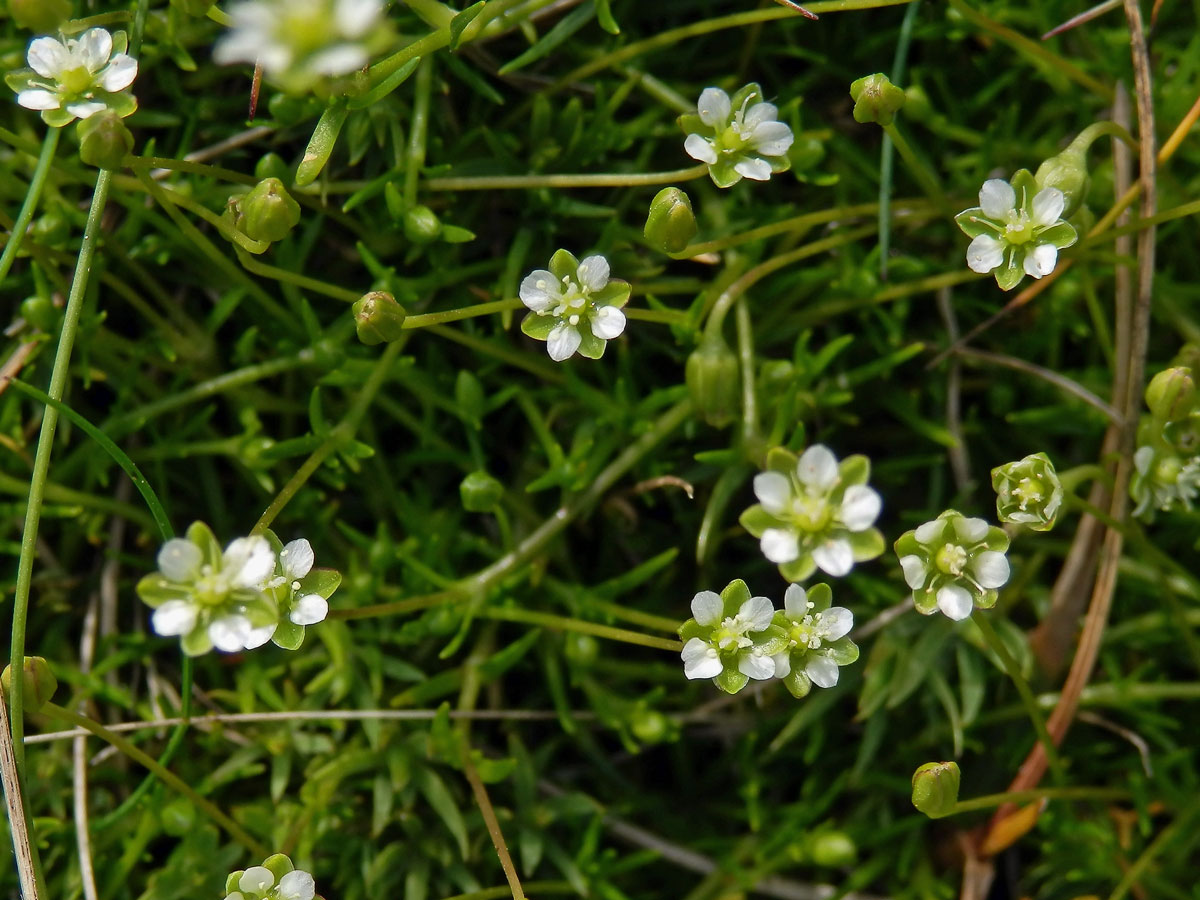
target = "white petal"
x: 707, y: 608
x: 593, y: 273
x: 38, y: 99
x: 795, y: 601
x: 699, y: 148
x: 834, y: 557
x: 835, y: 623
x: 779, y: 546
x: 1041, y: 261
x: 180, y: 560
x: 340, y: 59
x: 297, y: 885
x: 355, y: 17
x: 915, y: 571
x: 540, y: 290
x: 758, y: 114
x: 997, y: 198
x: 563, y: 341
x: 954, y: 601
x: 119, y: 73
x: 1143, y: 458
x: 860, y: 507
x: 984, y: 253
x: 756, y: 613
x: 756, y: 665
x: 817, y: 469
x: 704, y: 664
x: 296, y: 559
x: 971, y: 530
x: 773, y: 490
x: 991, y: 569
x: 249, y: 561
x: 608, y: 322
x: 48, y: 57
x: 930, y: 531
x: 85, y: 109
x: 771, y: 138
x: 714, y: 107
x: 822, y: 670
x: 256, y: 879
x: 1048, y: 206
x: 754, y: 169
x: 309, y: 610
x: 694, y: 649
x: 94, y: 48
x: 173, y: 618
x: 259, y: 636
x: 783, y: 664
x: 229, y: 633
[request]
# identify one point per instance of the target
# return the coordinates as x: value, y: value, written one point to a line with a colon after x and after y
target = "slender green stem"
x: 565, y: 623
x: 32, y: 195
x: 41, y: 461
x: 425, y: 320
x: 414, y: 160
x: 187, y: 165
x: 980, y: 618
x: 1097, y: 130
x: 1181, y: 825
x: 663, y: 316
x: 924, y: 175
x: 131, y: 750
x: 745, y: 344
x: 990, y: 801
x: 614, y: 179
x: 886, y: 157
x: 1178, y: 212
x: 250, y: 264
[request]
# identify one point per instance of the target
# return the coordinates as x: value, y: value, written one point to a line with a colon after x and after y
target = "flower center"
x: 211, y: 588
x: 1019, y: 229
x: 811, y: 514
x: 805, y: 633
x: 951, y: 559
x: 1029, y: 490
x: 76, y: 81
x: 731, y: 634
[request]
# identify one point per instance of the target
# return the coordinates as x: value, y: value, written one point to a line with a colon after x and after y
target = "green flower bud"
x: 421, y: 225
x: 649, y: 725
x: 671, y: 224
x: 916, y: 104
x: 935, y: 788
x: 39, y: 312
x: 833, y: 849
x: 1068, y: 172
x: 39, y: 683
x: 104, y: 141
x: 378, y: 318
x: 581, y: 649
x: 480, y: 492
x: 1171, y: 394
x: 268, y: 212
x: 271, y: 165
x: 712, y: 380
x: 178, y: 817
x: 40, y: 16
x: 1028, y: 492
x: 876, y: 99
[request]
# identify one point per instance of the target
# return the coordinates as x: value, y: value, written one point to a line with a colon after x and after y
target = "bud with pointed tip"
x: 876, y: 99
x: 268, y: 212
x: 1171, y: 394
x: 378, y: 318
x: 712, y: 380
x: 671, y: 224
x: 104, y: 141
x: 39, y: 683
x: 935, y: 788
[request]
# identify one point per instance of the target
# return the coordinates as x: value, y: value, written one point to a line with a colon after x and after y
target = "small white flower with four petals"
x: 730, y: 638
x: 574, y: 306
x: 77, y: 77
x: 817, y: 641
x: 738, y: 137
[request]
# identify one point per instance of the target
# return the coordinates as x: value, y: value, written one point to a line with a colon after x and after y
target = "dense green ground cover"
x: 501, y: 662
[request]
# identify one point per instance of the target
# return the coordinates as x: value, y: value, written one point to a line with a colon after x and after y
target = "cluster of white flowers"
x: 275, y: 879
x: 237, y: 598
x: 72, y: 78
x: 733, y: 637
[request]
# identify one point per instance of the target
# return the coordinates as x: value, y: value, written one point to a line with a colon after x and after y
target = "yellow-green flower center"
x: 951, y: 559
x: 77, y: 80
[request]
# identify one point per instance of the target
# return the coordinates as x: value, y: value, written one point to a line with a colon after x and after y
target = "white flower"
x: 574, y: 306
x: 737, y: 138
x: 1161, y: 480
x: 77, y: 77
x: 812, y: 633
x: 730, y: 638
x: 296, y: 561
x: 953, y: 564
x: 298, y: 42
x: 258, y: 883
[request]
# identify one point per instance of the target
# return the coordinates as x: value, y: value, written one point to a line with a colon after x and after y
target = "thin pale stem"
x: 580, y: 626
x: 513, y: 182
x: 32, y: 195
x: 988, y: 801
x: 425, y: 320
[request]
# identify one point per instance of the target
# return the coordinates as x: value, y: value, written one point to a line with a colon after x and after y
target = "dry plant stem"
x: 28, y: 869
x: 1110, y: 554
x: 1066, y: 385
x: 960, y: 460
x: 492, y: 823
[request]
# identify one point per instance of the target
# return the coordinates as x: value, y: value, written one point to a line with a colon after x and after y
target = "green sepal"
x: 854, y: 469
x: 691, y: 123
x: 756, y: 520
x: 57, y: 118
x: 925, y: 601
x: 799, y: 569
x: 122, y: 103
x: 201, y: 535
x: 120, y: 43
x: 563, y: 264
x: 1010, y: 272
x: 843, y: 651
x: 771, y: 640
x: 1025, y: 186
x: 322, y: 582
x: 735, y: 594
x: 906, y: 545
x: 820, y: 595
x: 753, y: 89
x: 1062, y: 235
x: 590, y: 346
x: 693, y: 629
x: 20, y: 80
x: 615, y: 293
x: 778, y: 163
x: 972, y: 222
x: 731, y: 680
x: 155, y: 590
x: 260, y: 609
x: 866, y: 545
x: 196, y: 641
x: 987, y: 599
x: 797, y: 683
x: 231, y: 883
x: 288, y: 635
x: 278, y: 865
x: 538, y: 327
x: 996, y: 539
x: 723, y: 174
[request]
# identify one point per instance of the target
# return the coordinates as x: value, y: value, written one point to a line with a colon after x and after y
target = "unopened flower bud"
x: 935, y: 788
x: 104, y: 141
x: 916, y: 104
x: 40, y: 16
x: 1171, y: 394
x: 39, y: 683
x: 671, y: 224
x: 271, y: 165
x: 378, y: 318
x: 480, y: 492
x: 876, y: 99
x: 833, y: 849
x: 712, y: 380
x: 1068, y: 172
x: 649, y: 725
x: 268, y: 212
x: 1028, y: 492
x: 421, y: 225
